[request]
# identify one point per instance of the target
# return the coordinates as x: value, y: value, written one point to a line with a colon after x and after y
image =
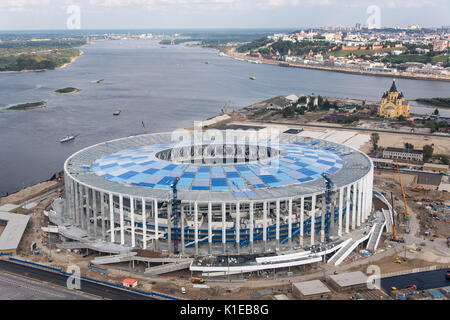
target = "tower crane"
x: 226, y: 107
x: 407, y: 215
x: 328, y: 215
x: 394, y: 237
x: 175, y: 213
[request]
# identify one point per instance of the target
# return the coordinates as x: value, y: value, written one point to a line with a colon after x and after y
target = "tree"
x: 427, y: 152
x: 326, y: 105
x: 444, y: 160
x: 409, y: 146
x: 436, y: 112
x: 374, y: 138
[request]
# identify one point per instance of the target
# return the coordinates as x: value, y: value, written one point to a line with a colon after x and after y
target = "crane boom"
x: 403, y: 191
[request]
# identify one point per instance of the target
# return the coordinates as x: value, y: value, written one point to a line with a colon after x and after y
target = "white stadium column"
x: 144, y: 225
x: 347, y: 209
x: 111, y: 218
x: 313, y: 218
x: 290, y: 222
x: 322, y: 219
x: 88, y: 210
x: 224, y: 228
x: 81, y: 206
x: 277, y: 230
x: 359, y: 213
x: 210, y: 227
x: 182, y: 228
x: 122, y: 225
x: 354, y: 206
x: 370, y: 191
x: 77, y: 205
x: 196, y: 227
x: 364, y: 200
x: 155, y: 211
x: 103, y: 214
x: 94, y: 210
x: 341, y: 200
x: 265, y: 225
x: 302, y: 220
x: 251, y: 226
x: 238, y: 226
x: 133, y: 235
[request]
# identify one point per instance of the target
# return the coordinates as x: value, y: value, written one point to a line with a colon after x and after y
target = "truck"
x: 197, y: 280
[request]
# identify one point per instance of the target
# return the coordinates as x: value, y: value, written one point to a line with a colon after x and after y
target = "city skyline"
x: 224, y: 14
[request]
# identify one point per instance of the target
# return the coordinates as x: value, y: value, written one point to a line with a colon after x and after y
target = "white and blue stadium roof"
x: 133, y: 166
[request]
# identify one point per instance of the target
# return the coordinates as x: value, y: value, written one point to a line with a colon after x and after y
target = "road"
x: 13, y: 287
x: 52, y: 278
x: 350, y: 128
x: 423, y: 280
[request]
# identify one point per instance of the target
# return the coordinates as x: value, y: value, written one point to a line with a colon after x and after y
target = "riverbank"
x: 243, y: 57
x: 72, y: 60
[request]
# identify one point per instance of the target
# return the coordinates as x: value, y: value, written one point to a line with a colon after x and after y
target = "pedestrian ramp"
x: 374, y: 239
x: 169, y: 267
x: 114, y: 259
x: 387, y: 219
x: 348, y: 248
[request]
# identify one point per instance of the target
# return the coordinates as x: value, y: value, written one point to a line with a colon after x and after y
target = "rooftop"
x: 15, y: 227
x: 134, y: 166
x: 349, y: 279
x: 312, y: 287
x: 403, y: 150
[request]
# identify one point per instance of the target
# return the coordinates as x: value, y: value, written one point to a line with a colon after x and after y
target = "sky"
x: 207, y: 14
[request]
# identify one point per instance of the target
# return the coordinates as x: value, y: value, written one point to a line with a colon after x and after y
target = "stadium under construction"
x: 285, y: 201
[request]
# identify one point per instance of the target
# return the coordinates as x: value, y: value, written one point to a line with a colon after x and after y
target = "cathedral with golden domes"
x: 393, y: 104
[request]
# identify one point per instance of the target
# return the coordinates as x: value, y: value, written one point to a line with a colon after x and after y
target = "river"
x: 166, y: 88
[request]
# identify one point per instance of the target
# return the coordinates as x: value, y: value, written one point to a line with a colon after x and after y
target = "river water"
x: 166, y: 88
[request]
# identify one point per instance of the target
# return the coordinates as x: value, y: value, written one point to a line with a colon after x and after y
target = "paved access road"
x: 13, y: 287
x: 423, y: 280
x: 352, y: 128
x: 53, y: 278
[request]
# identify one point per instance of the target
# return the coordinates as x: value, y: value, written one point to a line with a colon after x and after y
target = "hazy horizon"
x: 34, y: 15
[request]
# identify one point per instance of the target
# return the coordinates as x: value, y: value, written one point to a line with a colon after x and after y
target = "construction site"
x: 309, y: 231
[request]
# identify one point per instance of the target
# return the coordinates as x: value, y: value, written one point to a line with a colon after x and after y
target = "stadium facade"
x: 235, y: 193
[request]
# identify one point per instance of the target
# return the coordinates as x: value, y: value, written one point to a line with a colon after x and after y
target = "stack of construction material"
x: 403, y: 294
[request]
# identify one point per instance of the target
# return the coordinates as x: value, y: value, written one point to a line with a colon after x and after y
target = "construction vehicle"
x: 197, y: 280
x: 407, y: 215
x: 398, y: 261
x: 413, y: 286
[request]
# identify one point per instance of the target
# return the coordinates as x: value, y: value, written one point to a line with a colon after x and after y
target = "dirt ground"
x: 29, y: 192
x: 387, y: 264
x: 441, y: 144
